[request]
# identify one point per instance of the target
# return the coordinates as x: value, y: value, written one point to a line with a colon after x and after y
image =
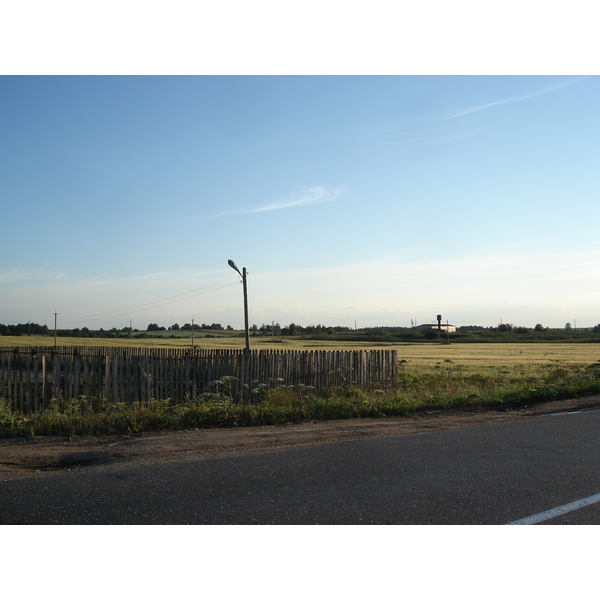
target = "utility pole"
x: 246, y: 309
x: 243, y: 274
x: 55, y: 313
x: 192, y: 333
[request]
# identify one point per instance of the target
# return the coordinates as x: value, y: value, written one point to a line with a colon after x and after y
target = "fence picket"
x: 139, y: 375
x: 28, y: 385
x: 36, y: 383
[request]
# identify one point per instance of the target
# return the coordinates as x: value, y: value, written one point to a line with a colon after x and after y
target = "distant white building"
x: 436, y: 327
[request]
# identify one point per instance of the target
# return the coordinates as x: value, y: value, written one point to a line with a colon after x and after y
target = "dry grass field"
x: 416, y: 354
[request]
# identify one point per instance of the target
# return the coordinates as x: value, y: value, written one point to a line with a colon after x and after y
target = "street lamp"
x: 243, y: 274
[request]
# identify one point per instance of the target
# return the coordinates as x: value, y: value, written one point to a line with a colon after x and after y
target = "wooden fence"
x: 32, y: 378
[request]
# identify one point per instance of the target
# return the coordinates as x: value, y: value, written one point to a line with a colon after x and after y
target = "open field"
x: 432, y: 376
x: 416, y: 354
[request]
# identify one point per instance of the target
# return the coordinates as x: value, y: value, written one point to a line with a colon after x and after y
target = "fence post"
x: 116, y: 376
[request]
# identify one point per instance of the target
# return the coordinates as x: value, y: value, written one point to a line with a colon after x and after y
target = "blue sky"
x: 367, y: 199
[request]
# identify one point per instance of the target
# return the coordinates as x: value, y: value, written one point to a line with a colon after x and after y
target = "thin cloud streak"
x: 314, y: 195
x: 548, y: 90
x: 112, y: 300
x: 525, y: 287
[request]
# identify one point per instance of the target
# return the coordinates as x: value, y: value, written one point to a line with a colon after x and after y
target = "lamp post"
x: 243, y: 274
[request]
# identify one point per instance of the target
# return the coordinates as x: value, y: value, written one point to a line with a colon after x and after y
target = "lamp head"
x: 233, y: 265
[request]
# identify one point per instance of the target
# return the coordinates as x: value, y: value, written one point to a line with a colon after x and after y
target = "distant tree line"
x: 189, y: 327
x: 84, y: 332
x: 36, y: 329
x: 24, y: 329
x: 504, y: 332
x: 294, y: 329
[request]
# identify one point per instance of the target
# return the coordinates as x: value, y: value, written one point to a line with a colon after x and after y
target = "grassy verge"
x: 443, y: 386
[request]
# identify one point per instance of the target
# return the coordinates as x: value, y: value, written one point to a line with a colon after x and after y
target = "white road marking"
x: 555, y: 512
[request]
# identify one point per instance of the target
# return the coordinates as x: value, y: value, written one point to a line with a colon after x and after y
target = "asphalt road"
x: 478, y: 475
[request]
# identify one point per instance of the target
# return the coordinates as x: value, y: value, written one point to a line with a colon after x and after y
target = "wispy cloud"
x: 548, y: 90
x: 24, y: 276
x: 314, y: 195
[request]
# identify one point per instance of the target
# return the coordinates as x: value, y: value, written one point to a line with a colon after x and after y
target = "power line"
x: 140, y: 307
x: 159, y: 305
x: 156, y: 304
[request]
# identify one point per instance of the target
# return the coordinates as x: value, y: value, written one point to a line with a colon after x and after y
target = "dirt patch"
x: 37, y: 454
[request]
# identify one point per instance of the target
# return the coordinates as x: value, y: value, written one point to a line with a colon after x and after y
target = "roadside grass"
x: 445, y: 385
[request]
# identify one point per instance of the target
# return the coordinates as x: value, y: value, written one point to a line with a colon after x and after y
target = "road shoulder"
x: 22, y: 456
